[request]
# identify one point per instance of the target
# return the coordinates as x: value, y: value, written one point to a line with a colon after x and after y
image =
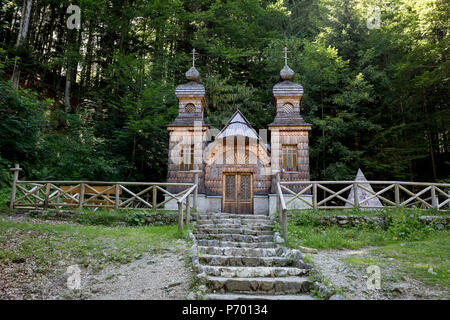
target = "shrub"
x: 137, y: 218
x: 106, y: 218
x: 408, y: 227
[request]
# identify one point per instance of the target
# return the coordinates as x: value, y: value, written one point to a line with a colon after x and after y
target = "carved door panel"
x: 237, y: 193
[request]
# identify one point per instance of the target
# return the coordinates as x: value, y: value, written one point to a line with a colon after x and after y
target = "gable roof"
x: 238, y: 125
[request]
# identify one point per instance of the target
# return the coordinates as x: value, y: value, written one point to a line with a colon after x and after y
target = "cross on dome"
x: 286, y: 73
x: 194, y: 52
x: 285, y: 56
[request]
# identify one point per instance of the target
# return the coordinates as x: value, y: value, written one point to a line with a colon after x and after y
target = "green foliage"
x: 76, y: 153
x: 137, y: 218
x: 5, y: 174
x: 104, y: 218
x: 305, y: 228
x: 376, y: 98
x: 408, y: 227
x: 21, y: 120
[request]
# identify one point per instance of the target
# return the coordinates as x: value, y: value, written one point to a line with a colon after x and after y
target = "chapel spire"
x: 191, y: 98
x: 192, y: 74
x: 286, y: 73
x: 289, y: 132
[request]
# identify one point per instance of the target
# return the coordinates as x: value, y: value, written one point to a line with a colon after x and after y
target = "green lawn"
x: 404, y: 246
x: 34, y: 251
x: 417, y: 257
x: 47, y: 244
x: 304, y: 229
x: 335, y: 237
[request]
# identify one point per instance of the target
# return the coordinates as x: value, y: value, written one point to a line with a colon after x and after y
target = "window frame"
x: 190, y: 165
x: 289, y: 152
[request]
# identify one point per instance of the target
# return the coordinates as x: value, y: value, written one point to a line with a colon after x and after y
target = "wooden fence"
x: 101, y: 194
x: 327, y: 195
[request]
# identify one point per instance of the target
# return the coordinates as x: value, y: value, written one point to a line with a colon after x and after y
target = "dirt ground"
x: 352, y: 280
x: 160, y: 277
x: 151, y: 276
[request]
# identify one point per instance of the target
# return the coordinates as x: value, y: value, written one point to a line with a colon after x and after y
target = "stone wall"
x: 151, y: 218
x: 353, y: 220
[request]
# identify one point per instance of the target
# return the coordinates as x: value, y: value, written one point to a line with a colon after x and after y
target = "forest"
x: 92, y: 102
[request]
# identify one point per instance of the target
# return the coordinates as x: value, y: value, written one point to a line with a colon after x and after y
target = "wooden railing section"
x: 102, y: 195
x: 325, y: 195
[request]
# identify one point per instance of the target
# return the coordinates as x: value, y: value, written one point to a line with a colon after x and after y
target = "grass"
x: 304, y: 229
x: 99, y: 217
x: 404, y: 248
x: 5, y: 196
x: 90, y: 246
x: 335, y: 237
x: 371, y: 212
x: 416, y: 258
x: 427, y: 261
x: 34, y: 252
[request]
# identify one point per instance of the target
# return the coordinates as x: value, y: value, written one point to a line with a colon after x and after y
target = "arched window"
x: 189, y: 108
x: 288, y: 108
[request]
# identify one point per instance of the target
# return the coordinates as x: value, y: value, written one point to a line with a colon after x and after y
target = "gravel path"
x: 342, y: 276
x: 153, y: 277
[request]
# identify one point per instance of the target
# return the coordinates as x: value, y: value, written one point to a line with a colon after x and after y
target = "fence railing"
x: 102, y: 195
x: 327, y: 195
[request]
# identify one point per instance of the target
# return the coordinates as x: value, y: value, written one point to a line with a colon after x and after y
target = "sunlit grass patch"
x: 334, y: 237
x: 48, y: 244
x: 363, y: 261
x: 427, y: 260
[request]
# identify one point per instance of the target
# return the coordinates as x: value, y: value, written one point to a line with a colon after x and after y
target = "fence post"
x: 196, y: 189
x: 155, y: 197
x: 355, y: 195
x: 277, y: 179
x: 117, y: 199
x: 47, y: 194
x: 397, y: 194
x: 434, y: 199
x: 315, y: 195
x: 35, y: 199
x: 188, y: 210
x: 180, y: 216
x: 284, y: 213
x: 16, y: 171
x: 81, y: 198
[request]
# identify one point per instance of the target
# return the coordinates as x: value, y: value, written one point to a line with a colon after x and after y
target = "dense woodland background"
x: 93, y: 103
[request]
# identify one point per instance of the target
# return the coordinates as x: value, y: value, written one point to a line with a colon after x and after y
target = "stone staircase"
x: 239, y: 257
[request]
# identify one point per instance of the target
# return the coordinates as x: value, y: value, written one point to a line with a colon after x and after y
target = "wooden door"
x: 237, y: 194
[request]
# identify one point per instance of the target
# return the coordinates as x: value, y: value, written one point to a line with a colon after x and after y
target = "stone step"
x: 244, y: 231
x: 234, y: 216
x: 276, y: 286
x: 246, y: 261
x: 253, y: 272
x: 234, y: 237
x: 240, y: 251
x: 231, y: 296
x: 262, y: 227
x: 236, y: 221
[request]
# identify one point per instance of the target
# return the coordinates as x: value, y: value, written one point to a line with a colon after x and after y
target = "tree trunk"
x: 21, y: 38
x: 24, y: 22
x: 67, y: 88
